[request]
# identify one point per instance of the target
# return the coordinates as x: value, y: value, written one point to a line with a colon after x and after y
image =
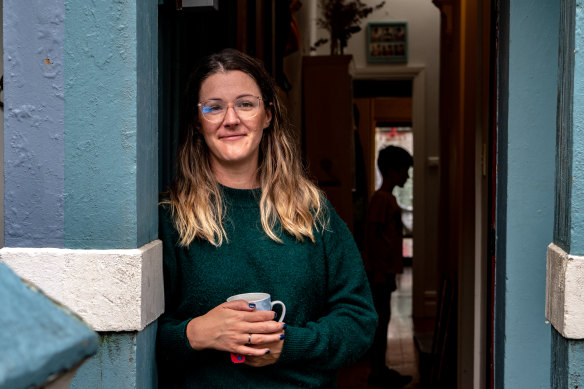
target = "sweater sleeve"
x: 172, y: 344
x: 345, y: 332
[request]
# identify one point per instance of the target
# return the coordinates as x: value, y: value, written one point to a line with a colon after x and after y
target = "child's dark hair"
x: 393, y: 158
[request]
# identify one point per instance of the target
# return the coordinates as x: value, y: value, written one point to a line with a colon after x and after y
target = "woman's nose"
x: 231, y: 116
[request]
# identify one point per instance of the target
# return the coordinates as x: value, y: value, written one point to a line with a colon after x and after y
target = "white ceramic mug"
x: 262, y: 301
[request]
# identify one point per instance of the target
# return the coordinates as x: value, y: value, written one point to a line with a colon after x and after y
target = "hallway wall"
x: 423, y: 20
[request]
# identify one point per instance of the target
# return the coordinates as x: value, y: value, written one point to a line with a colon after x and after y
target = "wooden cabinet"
x: 328, y: 131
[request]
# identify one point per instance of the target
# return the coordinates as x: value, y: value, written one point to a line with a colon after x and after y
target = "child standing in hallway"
x: 384, y: 258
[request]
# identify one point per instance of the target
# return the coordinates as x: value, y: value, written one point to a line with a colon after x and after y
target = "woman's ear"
x: 197, y: 128
x: 268, y: 118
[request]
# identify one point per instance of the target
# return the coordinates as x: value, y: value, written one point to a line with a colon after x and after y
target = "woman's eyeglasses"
x: 245, y: 107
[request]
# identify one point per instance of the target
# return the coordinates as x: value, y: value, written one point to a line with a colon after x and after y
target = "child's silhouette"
x: 384, y: 258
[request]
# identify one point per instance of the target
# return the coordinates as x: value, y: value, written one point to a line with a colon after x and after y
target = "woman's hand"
x: 228, y: 326
x: 269, y: 358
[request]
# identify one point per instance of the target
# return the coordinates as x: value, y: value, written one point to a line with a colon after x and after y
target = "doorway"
x: 464, y: 128
x: 385, y: 113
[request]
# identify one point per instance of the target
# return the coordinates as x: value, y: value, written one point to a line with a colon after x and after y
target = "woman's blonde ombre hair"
x: 288, y: 199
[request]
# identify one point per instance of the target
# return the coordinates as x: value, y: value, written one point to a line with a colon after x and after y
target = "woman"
x: 242, y: 217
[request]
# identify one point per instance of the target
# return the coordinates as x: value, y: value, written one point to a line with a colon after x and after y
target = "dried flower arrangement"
x: 341, y: 18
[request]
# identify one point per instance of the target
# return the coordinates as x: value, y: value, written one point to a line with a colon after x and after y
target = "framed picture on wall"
x: 387, y: 42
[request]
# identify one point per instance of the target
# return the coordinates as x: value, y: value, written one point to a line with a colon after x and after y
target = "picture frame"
x: 387, y: 42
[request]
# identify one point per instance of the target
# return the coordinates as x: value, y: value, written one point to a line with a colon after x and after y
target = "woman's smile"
x: 231, y: 137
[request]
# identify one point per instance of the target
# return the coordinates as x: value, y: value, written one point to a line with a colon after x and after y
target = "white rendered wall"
x: 111, y: 290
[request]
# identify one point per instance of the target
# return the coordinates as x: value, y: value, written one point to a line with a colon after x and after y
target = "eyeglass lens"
x: 246, y: 108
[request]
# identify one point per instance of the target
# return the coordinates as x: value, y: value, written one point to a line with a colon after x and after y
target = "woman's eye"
x: 245, y: 104
x: 215, y: 108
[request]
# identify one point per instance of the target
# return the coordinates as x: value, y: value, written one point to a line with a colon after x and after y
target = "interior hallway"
x: 402, y: 353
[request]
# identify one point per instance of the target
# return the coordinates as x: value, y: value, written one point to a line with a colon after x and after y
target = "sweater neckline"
x: 241, y: 197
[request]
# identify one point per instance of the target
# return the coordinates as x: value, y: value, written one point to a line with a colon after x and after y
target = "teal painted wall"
x: 82, y: 145
x: 532, y: 100
x: 577, y: 181
x: 565, y: 125
x: 567, y: 370
x: 147, y: 131
x: 147, y: 372
x: 123, y: 360
x: 38, y: 337
x: 110, y: 123
x: 567, y: 367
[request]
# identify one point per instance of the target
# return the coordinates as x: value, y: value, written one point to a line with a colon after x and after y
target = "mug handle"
x: 283, y: 309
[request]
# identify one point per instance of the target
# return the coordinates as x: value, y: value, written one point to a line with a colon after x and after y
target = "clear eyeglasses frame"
x: 245, y: 107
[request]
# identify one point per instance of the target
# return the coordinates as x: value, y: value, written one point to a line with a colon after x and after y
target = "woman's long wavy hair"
x: 288, y: 198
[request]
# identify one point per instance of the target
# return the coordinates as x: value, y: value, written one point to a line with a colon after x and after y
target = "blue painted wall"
x: 567, y: 370
x: 31, y: 353
x: 34, y: 123
x: 147, y: 142
x: 147, y: 372
x: 567, y: 362
x: 529, y: 214
x: 565, y: 125
x: 81, y: 131
x: 577, y: 193
x: 123, y: 360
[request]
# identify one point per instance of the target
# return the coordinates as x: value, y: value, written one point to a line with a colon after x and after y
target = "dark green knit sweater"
x: 329, y: 312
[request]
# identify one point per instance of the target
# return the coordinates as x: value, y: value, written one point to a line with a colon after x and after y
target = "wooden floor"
x: 401, y: 351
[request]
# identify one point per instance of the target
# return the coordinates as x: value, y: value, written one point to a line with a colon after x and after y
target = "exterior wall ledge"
x: 111, y: 290
x: 564, y: 306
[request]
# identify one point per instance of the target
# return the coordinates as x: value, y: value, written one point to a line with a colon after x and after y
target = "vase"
x: 336, y: 48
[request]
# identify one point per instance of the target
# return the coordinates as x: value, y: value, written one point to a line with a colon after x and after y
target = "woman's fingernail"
x: 275, y: 315
x: 282, y: 336
x: 267, y: 351
x: 251, y: 305
x: 284, y: 326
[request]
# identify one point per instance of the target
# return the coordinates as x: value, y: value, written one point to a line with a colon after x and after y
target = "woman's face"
x: 233, y: 141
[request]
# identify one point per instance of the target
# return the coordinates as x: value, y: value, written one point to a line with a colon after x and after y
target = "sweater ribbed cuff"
x: 299, y: 342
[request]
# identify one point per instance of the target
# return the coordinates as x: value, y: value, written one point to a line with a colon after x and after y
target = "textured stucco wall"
x: 532, y: 100
x: 34, y: 123
x: 567, y: 362
x: 31, y: 353
x: 101, y: 124
x: 124, y: 360
x: 81, y: 158
x: 565, y: 292
x: 81, y: 123
x: 112, y: 290
x: 147, y: 376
